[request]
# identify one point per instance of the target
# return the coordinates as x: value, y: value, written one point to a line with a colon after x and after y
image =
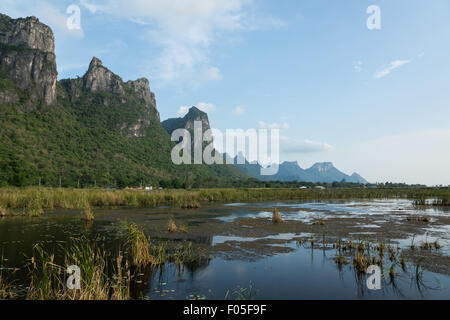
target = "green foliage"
x: 84, y: 141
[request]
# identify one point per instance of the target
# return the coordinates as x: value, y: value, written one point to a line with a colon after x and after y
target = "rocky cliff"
x: 188, y: 121
x: 100, y: 130
x: 27, y: 59
x: 132, y: 97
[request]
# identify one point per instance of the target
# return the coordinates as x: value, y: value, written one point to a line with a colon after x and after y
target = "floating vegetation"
x: 241, y: 293
x: 419, y: 219
x: 426, y: 245
x: 276, y: 216
x: 319, y: 223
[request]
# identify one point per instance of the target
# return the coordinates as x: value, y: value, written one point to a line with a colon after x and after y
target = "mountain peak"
x: 95, y: 62
x: 291, y: 163
x: 98, y: 78
x: 194, y: 111
x: 323, y: 166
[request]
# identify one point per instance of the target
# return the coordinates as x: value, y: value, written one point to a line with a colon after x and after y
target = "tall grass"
x: 102, y: 277
x: 7, y: 290
x: 138, y: 246
x: 33, y: 200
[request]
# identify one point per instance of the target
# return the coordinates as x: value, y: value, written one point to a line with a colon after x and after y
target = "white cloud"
x: 45, y: 11
x: 93, y: 8
x: 275, y: 125
x: 358, y: 66
x: 392, y: 66
x: 238, y: 111
x: 205, y: 107
x: 290, y: 145
x: 185, y: 30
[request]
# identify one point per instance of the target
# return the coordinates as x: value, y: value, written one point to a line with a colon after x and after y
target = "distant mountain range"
x: 288, y: 171
x: 324, y: 172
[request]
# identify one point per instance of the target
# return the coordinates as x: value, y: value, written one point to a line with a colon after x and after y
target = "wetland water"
x: 290, y: 260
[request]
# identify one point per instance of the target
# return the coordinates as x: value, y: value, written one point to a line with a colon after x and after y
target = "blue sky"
x: 371, y: 101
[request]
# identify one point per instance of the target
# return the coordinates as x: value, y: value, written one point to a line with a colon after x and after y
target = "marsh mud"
x: 254, y: 257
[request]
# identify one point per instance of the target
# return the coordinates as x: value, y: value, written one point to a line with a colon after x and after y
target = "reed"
x: 34, y: 200
x: 172, y: 226
x: 138, y: 245
x: 88, y: 214
x: 3, y: 211
x: 276, y: 216
x: 7, y: 290
x: 100, y: 279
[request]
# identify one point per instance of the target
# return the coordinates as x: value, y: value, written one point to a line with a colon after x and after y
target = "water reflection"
x: 291, y: 264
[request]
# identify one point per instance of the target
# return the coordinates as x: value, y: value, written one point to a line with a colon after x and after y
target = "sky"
x: 372, y: 101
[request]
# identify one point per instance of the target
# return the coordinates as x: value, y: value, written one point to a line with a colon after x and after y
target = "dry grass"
x: 34, y: 200
x: 6, y: 289
x: 88, y: 214
x: 172, y: 226
x: 138, y: 245
x: 276, y: 216
x: 3, y: 211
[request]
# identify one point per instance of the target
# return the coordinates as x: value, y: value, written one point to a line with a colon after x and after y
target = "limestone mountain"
x: 94, y: 130
x: 27, y: 59
x: 291, y: 171
x: 187, y: 122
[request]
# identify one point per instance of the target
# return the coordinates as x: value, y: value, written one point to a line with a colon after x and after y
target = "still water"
x: 251, y: 255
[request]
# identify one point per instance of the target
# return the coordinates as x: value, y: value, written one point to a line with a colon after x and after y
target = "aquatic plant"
x: 172, y: 226
x: 419, y: 218
x: 241, y: 293
x: 101, y: 279
x: 3, y: 211
x: 36, y: 199
x: 88, y: 214
x: 276, y: 216
x: 319, y: 223
x: 138, y: 245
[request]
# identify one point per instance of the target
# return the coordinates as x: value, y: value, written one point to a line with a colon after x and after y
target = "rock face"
x: 188, y: 121
x: 100, y: 79
x: 132, y: 97
x: 28, y: 60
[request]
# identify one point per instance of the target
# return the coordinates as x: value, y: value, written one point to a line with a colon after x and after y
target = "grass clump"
x: 102, y: 276
x: 418, y: 219
x: 3, y: 211
x: 172, y: 226
x: 88, y: 214
x: 276, y: 216
x: 138, y: 245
